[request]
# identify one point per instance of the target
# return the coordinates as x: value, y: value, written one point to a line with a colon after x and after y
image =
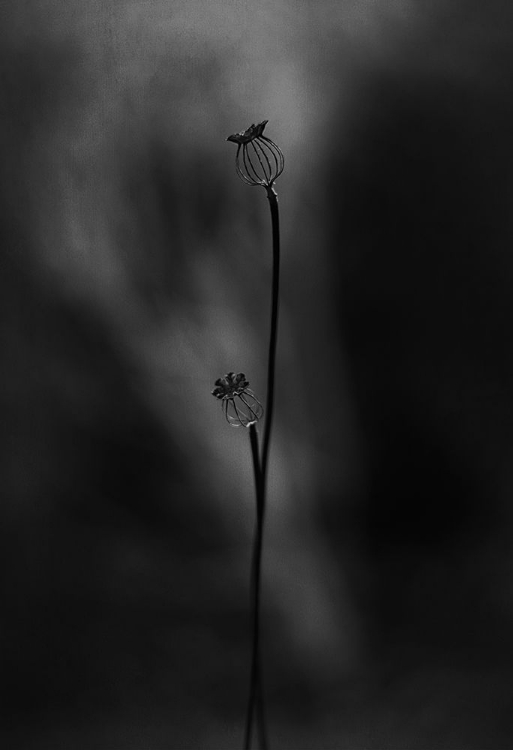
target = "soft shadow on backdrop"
x: 135, y: 271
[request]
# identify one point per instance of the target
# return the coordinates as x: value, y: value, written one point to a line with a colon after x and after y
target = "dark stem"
x: 273, y: 339
x: 256, y: 691
x: 256, y: 696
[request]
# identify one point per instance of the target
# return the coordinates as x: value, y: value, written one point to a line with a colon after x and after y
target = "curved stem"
x: 256, y: 696
x: 273, y: 339
x: 256, y: 689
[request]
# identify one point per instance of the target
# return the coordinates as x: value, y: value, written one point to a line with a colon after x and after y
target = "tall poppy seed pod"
x: 259, y: 161
x: 240, y: 405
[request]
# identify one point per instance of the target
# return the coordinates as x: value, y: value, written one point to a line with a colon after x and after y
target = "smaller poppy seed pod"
x: 259, y: 161
x: 240, y: 405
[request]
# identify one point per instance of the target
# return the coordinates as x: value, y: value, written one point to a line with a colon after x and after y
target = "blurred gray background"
x: 135, y: 270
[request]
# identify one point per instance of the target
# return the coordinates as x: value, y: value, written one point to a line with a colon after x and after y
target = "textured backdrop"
x: 135, y: 270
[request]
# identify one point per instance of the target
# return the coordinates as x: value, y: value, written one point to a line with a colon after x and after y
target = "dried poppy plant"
x: 241, y: 408
x: 258, y: 162
x: 240, y: 405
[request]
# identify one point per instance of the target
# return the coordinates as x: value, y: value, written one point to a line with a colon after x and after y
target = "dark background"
x: 135, y: 270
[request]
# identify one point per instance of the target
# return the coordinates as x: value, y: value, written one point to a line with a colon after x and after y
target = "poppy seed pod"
x: 240, y: 405
x: 259, y: 161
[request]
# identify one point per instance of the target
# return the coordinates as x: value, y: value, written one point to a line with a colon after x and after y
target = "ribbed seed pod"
x: 240, y: 405
x: 259, y: 161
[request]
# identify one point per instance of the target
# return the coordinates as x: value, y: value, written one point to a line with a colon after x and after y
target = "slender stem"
x: 256, y: 691
x: 256, y: 696
x: 273, y: 339
x: 253, y: 437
